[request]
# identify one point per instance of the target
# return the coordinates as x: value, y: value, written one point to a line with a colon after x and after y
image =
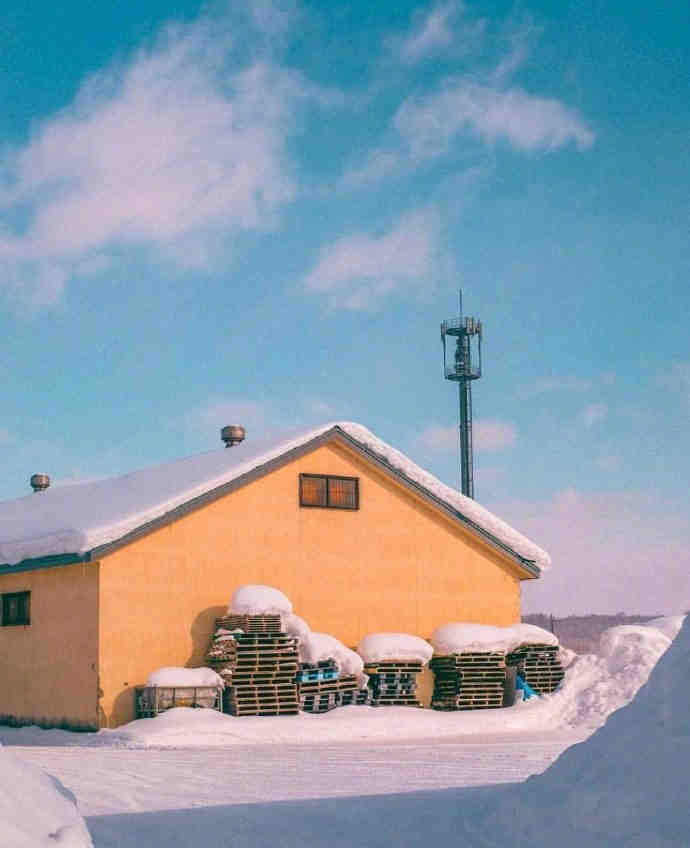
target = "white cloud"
x: 593, y: 414
x: 358, y: 270
x: 611, y: 551
x: 431, y: 31
x: 488, y: 436
x: 429, y: 124
x: 180, y: 145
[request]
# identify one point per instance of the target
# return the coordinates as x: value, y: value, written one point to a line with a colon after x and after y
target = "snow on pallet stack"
x: 470, y: 663
x: 392, y: 661
x: 330, y: 675
x: 257, y: 661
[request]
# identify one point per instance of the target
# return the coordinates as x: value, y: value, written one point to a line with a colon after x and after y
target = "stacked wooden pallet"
x: 258, y: 669
x: 393, y: 683
x: 539, y: 666
x: 322, y: 688
x: 265, y: 623
x: 468, y: 681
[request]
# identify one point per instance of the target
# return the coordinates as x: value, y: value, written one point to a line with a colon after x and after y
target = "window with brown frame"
x: 16, y: 608
x: 327, y: 490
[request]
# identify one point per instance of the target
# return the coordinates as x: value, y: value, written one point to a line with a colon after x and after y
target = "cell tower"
x: 463, y: 370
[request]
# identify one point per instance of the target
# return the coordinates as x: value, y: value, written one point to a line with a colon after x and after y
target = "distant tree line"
x: 581, y: 633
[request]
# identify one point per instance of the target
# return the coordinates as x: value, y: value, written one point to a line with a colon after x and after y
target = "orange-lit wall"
x: 48, y: 669
x: 396, y: 564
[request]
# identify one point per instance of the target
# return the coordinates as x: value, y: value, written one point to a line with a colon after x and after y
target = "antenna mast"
x: 462, y: 370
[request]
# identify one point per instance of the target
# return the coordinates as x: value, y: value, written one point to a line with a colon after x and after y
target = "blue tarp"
x: 527, y: 691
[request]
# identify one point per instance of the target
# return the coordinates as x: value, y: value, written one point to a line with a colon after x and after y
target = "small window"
x: 16, y: 608
x: 328, y: 491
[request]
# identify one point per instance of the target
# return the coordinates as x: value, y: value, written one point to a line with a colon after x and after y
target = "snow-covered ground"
x: 400, y: 776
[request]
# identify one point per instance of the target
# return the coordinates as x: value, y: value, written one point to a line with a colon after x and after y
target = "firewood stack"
x: 468, y: 681
x: 393, y: 683
x: 258, y: 667
x: 539, y: 666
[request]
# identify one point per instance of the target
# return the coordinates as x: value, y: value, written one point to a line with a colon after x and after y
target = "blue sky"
x: 260, y: 213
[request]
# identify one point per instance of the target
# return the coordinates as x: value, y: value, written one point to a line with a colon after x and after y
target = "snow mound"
x: 670, y: 625
x: 255, y: 599
x: 322, y: 646
x: 172, y: 676
x: 624, y: 786
x: 379, y: 647
x: 596, y: 685
x: 293, y: 625
x: 458, y: 637
x: 36, y: 810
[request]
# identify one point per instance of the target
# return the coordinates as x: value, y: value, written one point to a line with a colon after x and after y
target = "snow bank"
x: 255, y: 599
x: 378, y: 647
x: 77, y: 518
x: 317, y: 647
x: 456, y: 638
x: 670, y: 625
x: 172, y: 676
x: 626, y: 785
x: 36, y: 810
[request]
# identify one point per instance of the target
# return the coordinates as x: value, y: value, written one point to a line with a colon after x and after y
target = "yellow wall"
x: 396, y: 564
x: 48, y: 669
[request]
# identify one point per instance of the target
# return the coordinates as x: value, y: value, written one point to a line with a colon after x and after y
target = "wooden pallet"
x: 393, y: 666
x: 266, y: 623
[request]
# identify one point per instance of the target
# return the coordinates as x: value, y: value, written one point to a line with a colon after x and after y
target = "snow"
x: 315, y: 647
x: 378, y: 647
x: 75, y: 519
x: 255, y: 599
x: 181, y: 677
x: 457, y: 637
x: 402, y: 776
x: 36, y: 809
x: 670, y: 625
x: 626, y: 785
x: 293, y: 625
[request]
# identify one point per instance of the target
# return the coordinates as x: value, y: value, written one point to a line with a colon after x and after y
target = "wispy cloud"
x: 592, y: 414
x: 489, y: 435
x: 438, y: 29
x: 429, y: 124
x: 180, y: 145
x: 357, y: 271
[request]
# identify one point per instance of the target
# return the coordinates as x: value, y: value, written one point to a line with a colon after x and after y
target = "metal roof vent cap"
x: 39, y: 482
x: 232, y: 435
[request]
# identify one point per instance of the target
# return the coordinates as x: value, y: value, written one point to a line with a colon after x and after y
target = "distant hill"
x: 581, y: 633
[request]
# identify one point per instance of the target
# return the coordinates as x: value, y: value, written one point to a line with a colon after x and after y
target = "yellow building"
x: 103, y: 582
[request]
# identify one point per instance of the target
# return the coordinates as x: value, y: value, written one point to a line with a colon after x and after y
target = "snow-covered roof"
x: 80, y: 518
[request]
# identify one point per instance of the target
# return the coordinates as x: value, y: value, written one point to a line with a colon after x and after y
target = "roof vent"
x: 232, y: 435
x: 39, y: 482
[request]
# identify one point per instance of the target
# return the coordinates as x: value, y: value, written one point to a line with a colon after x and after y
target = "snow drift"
x: 627, y: 785
x: 36, y: 810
